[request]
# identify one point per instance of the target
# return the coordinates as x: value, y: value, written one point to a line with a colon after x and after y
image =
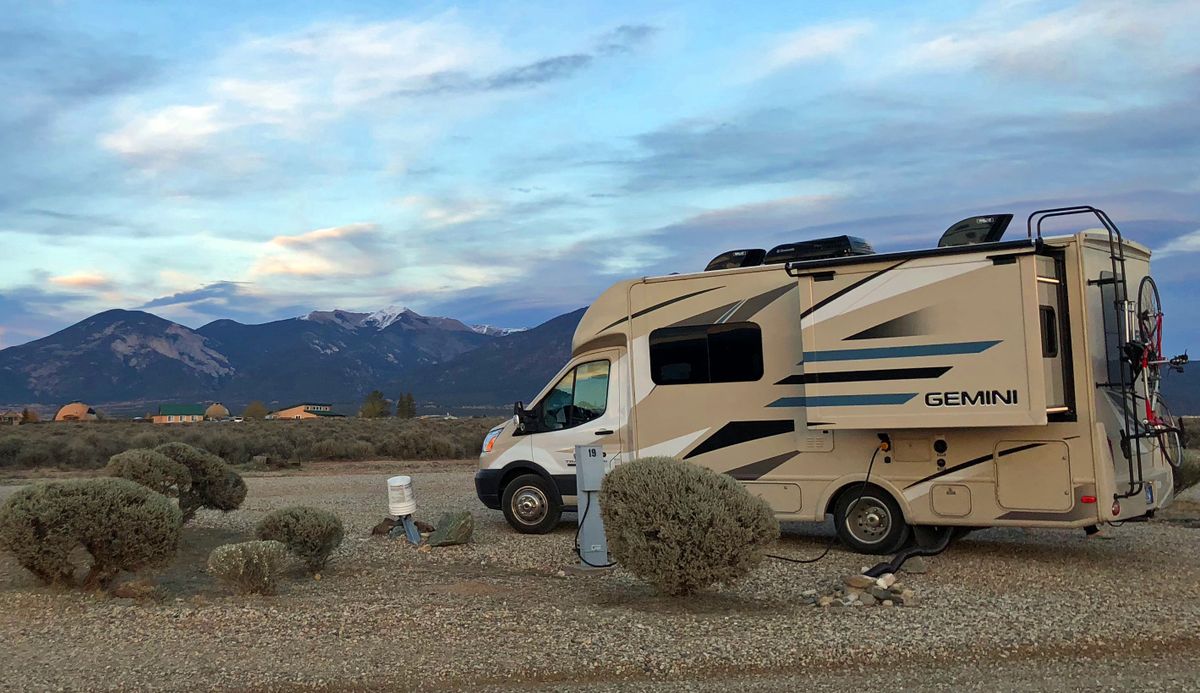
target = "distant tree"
x: 375, y: 406
x: 255, y: 410
x: 29, y: 416
x: 406, y: 407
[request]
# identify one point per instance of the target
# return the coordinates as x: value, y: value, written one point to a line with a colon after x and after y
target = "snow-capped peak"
x: 493, y: 331
x: 380, y: 319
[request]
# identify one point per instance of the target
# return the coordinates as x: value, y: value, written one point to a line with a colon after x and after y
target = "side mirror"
x: 519, y: 408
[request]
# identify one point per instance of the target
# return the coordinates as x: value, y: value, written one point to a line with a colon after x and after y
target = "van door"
x: 583, y: 408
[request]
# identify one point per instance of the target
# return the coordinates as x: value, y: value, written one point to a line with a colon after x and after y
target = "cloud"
x: 626, y: 38
x: 83, y: 280
x: 814, y: 43
x: 1087, y: 38
x: 1187, y: 243
x: 167, y: 136
x: 334, y: 252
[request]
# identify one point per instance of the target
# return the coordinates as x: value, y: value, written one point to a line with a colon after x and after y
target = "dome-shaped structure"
x: 75, y: 411
x: 216, y: 410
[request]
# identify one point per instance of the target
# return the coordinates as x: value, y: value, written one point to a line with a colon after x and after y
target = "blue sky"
x: 504, y: 162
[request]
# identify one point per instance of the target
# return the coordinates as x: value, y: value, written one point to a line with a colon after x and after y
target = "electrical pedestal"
x: 590, y: 468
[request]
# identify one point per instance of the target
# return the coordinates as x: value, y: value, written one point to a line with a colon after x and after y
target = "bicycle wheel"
x: 1168, y: 432
x: 1149, y: 313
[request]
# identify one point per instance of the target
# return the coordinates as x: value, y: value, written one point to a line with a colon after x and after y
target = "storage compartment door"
x: 925, y: 342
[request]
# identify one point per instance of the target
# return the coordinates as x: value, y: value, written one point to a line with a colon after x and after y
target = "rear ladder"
x: 1126, y: 312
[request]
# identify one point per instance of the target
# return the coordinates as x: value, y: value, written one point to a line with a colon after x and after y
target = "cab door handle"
x: 604, y: 432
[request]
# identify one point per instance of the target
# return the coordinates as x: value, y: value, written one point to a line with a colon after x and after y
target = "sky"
x: 504, y: 162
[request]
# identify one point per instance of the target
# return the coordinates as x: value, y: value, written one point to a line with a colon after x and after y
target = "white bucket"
x: 401, y: 500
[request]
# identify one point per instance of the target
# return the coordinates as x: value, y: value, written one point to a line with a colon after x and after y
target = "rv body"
x: 985, y: 368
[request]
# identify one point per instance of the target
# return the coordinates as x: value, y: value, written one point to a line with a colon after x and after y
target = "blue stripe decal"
x: 900, y: 351
x: 843, y: 400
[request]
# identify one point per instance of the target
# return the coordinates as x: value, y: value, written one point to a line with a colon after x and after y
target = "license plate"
x: 1149, y: 494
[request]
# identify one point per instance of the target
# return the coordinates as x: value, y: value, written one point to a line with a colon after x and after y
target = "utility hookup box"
x: 590, y: 467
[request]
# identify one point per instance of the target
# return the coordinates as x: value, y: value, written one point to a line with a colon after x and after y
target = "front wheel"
x: 531, y: 504
x: 870, y: 521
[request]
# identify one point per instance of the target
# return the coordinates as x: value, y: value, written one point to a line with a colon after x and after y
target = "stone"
x: 880, y: 593
x: 825, y: 601
x: 915, y: 566
x: 867, y: 599
x: 897, y: 600
x: 384, y: 526
x: 808, y: 593
x: 454, y: 528
x: 888, y: 602
x: 886, y: 580
x: 424, y: 527
x: 858, y: 581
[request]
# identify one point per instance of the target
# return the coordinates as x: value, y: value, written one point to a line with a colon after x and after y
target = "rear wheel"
x: 531, y: 504
x: 870, y: 521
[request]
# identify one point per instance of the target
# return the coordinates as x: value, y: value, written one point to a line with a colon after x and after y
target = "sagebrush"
x: 682, y: 527
x: 90, y: 445
x: 151, y: 469
x: 310, y: 533
x: 213, y: 483
x: 1188, y: 473
x: 251, y: 567
x: 123, y: 526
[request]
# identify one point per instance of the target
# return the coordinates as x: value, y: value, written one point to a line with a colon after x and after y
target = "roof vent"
x: 749, y: 257
x: 973, y: 230
x: 819, y: 249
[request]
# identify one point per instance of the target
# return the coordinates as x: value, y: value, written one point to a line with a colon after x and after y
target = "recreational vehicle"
x: 979, y: 383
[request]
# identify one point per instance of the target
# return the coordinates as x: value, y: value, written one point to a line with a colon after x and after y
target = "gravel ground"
x: 1009, y: 609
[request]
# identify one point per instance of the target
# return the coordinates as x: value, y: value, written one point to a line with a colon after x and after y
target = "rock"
x: 825, y: 601
x: 858, y: 581
x: 880, y: 593
x: 808, y: 593
x: 424, y: 527
x: 888, y: 602
x: 886, y: 580
x: 384, y: 526
x: 867, y: 599
x: 915, y: 566
x: 454, y: 528
x: 897, y: 600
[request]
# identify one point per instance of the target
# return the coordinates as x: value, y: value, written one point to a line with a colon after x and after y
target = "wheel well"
x: 852, y: 487
x: 517, y: 469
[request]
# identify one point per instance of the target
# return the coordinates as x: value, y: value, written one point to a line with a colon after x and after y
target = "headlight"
x: 490, y: 440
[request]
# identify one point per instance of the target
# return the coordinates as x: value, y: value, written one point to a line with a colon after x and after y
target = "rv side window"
x: 706, y: 354
x: 1049, y: 332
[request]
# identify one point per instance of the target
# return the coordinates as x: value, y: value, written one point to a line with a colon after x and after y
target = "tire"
x: 870, y: 521
x: 531, y: 504
x: 1149, y: 308
x: 1169, y: 440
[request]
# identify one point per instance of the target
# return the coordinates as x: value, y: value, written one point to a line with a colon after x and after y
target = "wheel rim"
x: 529, y: 505
x: 868, y: 520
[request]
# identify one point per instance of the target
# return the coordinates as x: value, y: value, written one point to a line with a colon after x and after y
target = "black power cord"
x: 579, y: 527
x: 862, y: 488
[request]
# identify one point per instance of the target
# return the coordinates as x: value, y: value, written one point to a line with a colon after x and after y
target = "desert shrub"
x: 214, y: 484
x: 10, y: 447
x: 122, y: 525
x: 310, y: 533
x: 251, y: 567
x: 1188, y: 473
x: 151, y: 469
x: 681, y: 527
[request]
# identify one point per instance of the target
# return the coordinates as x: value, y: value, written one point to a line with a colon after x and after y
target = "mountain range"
x: 129, y: 361
x: 124, y: 361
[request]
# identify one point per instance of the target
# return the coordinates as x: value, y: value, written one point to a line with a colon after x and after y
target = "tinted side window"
x: 580, y: 396
x: 1049, y: 332
x: 706, y: 354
